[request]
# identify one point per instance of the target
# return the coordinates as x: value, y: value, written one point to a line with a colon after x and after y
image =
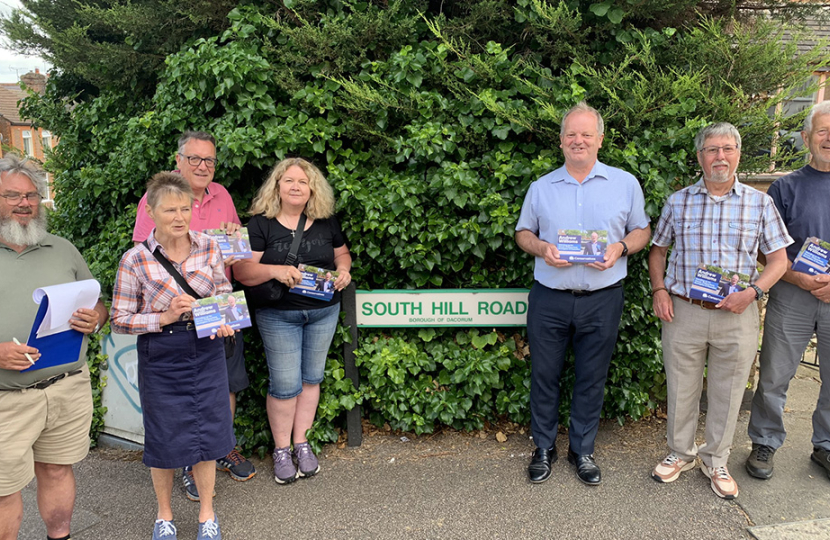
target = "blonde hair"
x: 320, y: 203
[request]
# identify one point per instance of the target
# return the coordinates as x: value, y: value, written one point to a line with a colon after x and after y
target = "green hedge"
x: 430, y: 123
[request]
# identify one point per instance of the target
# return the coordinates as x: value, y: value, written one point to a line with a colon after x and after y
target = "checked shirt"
x: 725, y: 231
x: 144, y: 289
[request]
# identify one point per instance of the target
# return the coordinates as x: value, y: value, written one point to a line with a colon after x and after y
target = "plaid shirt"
x: 724, y: 231
x: 144, y: 289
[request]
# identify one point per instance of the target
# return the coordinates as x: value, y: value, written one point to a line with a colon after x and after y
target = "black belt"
x: 179, y: 326
x: 49, y: 382
x: 579, y: 293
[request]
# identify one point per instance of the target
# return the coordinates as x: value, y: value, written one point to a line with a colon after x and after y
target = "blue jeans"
x: 296, y: 346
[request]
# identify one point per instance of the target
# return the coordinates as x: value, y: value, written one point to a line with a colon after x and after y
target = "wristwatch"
x: 625, y: 249
x: 759, y: 292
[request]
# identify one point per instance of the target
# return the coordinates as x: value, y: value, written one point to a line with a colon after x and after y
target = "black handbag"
x: 269, y: 293
x: 230, y: 341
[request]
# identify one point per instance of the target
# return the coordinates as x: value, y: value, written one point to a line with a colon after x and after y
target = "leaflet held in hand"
x: 212, y: 312
x: 582, y: 247
x: 713, y: 284
x: 236, y: 245
x: 813, y: 258
x: 316, y: 283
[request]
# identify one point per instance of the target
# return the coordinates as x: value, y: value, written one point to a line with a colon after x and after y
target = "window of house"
x: 27, y: 142
x: 46, y: 140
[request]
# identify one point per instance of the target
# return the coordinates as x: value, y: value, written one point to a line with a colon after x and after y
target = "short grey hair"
x: 719, y: 129
x: 15, y: 164
x: 187, y: 136
x: 583, y: 107
x: 817, y: 109
x: 167, y: 183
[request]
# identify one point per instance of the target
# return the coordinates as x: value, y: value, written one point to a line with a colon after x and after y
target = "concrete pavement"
x: 459, y: 486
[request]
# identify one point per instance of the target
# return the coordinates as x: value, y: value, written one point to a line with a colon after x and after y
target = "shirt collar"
x: 598, y: 171
x: 46, y: 242
x: 699, y: 187
x: 152, y: 243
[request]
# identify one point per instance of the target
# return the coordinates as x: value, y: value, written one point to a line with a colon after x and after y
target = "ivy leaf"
x: 479, y: 342
x: 600, y: 9
x: 414, y: 79
x: 426, y: 334
x: 616, y: 15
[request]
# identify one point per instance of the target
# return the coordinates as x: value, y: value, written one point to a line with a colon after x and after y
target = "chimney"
x: 35, y: 81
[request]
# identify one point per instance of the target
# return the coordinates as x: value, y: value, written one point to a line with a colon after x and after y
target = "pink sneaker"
x: 722, y: 483
x: 670, y: 468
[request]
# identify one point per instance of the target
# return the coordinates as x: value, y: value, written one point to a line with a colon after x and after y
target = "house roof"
x: 10, y: 94
x: 814, y: 31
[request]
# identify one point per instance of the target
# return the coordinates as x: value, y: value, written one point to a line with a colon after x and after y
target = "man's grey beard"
x: 24, y: 235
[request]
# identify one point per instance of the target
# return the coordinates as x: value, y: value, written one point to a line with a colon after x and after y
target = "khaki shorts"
x: 47, y: 426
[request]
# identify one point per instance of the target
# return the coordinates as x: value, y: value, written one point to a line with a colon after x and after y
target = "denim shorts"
x: 296, y: 346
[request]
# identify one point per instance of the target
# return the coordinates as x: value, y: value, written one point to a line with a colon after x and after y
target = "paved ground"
x: 456, y: 486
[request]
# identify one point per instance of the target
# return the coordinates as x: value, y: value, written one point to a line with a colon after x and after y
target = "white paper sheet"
x: 64, y: 300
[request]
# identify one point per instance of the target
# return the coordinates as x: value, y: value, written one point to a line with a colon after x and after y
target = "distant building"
x: 18, y: 134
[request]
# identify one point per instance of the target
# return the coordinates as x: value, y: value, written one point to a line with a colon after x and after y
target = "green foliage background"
x: 430, y: 119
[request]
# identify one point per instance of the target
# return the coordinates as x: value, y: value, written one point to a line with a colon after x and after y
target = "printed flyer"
x: 713, y: 284
x: 236, y: 245
x: 582, y: 247
x: 317, y: 282
x: 813, y: 258
x: 211, y: 313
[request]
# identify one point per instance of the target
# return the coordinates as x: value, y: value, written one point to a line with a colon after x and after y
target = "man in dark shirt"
x: 799, y: 305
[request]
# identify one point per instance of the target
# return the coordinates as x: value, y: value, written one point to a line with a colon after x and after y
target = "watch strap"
x: 625, y: 249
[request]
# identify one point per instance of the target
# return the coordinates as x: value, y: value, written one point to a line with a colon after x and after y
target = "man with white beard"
x: 45, y: 414
x: 717, y: 221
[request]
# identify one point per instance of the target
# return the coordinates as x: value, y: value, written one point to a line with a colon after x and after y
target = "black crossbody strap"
x: 291, y: 259
x: 172, y: 271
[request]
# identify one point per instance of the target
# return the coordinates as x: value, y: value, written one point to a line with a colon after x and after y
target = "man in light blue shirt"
x: 577, y: 305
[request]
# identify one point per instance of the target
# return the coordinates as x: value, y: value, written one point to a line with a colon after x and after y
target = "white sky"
x: 13, y: 65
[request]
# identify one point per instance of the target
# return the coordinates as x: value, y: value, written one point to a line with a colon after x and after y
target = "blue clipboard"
x: 57, y: 349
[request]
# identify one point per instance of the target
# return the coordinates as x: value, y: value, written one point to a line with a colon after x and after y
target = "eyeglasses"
x: 195, y: 161
x: 728, y: 150
x: 15, y: 198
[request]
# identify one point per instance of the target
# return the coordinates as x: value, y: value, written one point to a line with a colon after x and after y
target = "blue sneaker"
x: 164, y: 529
x: 209, y: 530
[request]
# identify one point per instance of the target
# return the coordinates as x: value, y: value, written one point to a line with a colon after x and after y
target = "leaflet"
x: 236, y: 245
x: 813, y: 258
x: 316, y: 283
x: 582, y: 247
x: 211, y: 313
x: 713, y: 283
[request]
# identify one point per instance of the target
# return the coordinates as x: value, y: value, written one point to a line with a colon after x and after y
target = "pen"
x: 29, y: 358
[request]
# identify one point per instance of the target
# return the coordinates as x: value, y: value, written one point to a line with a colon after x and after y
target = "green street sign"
x: 442, y: 307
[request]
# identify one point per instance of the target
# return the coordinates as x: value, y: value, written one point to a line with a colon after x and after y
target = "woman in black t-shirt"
x: 296, y: 330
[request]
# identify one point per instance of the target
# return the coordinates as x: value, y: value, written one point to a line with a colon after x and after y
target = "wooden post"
x: 354, y: 426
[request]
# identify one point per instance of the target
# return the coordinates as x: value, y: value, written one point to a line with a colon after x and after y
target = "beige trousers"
x: 730, y: 343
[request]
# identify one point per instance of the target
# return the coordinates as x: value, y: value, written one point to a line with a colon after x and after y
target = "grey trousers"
x: 793, y: 315
x: 729, y: 342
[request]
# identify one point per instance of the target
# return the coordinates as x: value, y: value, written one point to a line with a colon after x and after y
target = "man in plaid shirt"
x: 716, y: 221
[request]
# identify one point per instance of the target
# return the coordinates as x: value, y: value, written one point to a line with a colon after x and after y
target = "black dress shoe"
x: 587, y: 469
x: 539, y: 468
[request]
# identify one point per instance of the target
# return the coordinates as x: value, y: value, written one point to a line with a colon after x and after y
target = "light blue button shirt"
x: 608, y: 199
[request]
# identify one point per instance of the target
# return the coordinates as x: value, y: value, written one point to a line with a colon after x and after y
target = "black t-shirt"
x: 316, y: 249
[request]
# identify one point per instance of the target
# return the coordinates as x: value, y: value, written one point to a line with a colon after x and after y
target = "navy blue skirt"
x: 183, y: 386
